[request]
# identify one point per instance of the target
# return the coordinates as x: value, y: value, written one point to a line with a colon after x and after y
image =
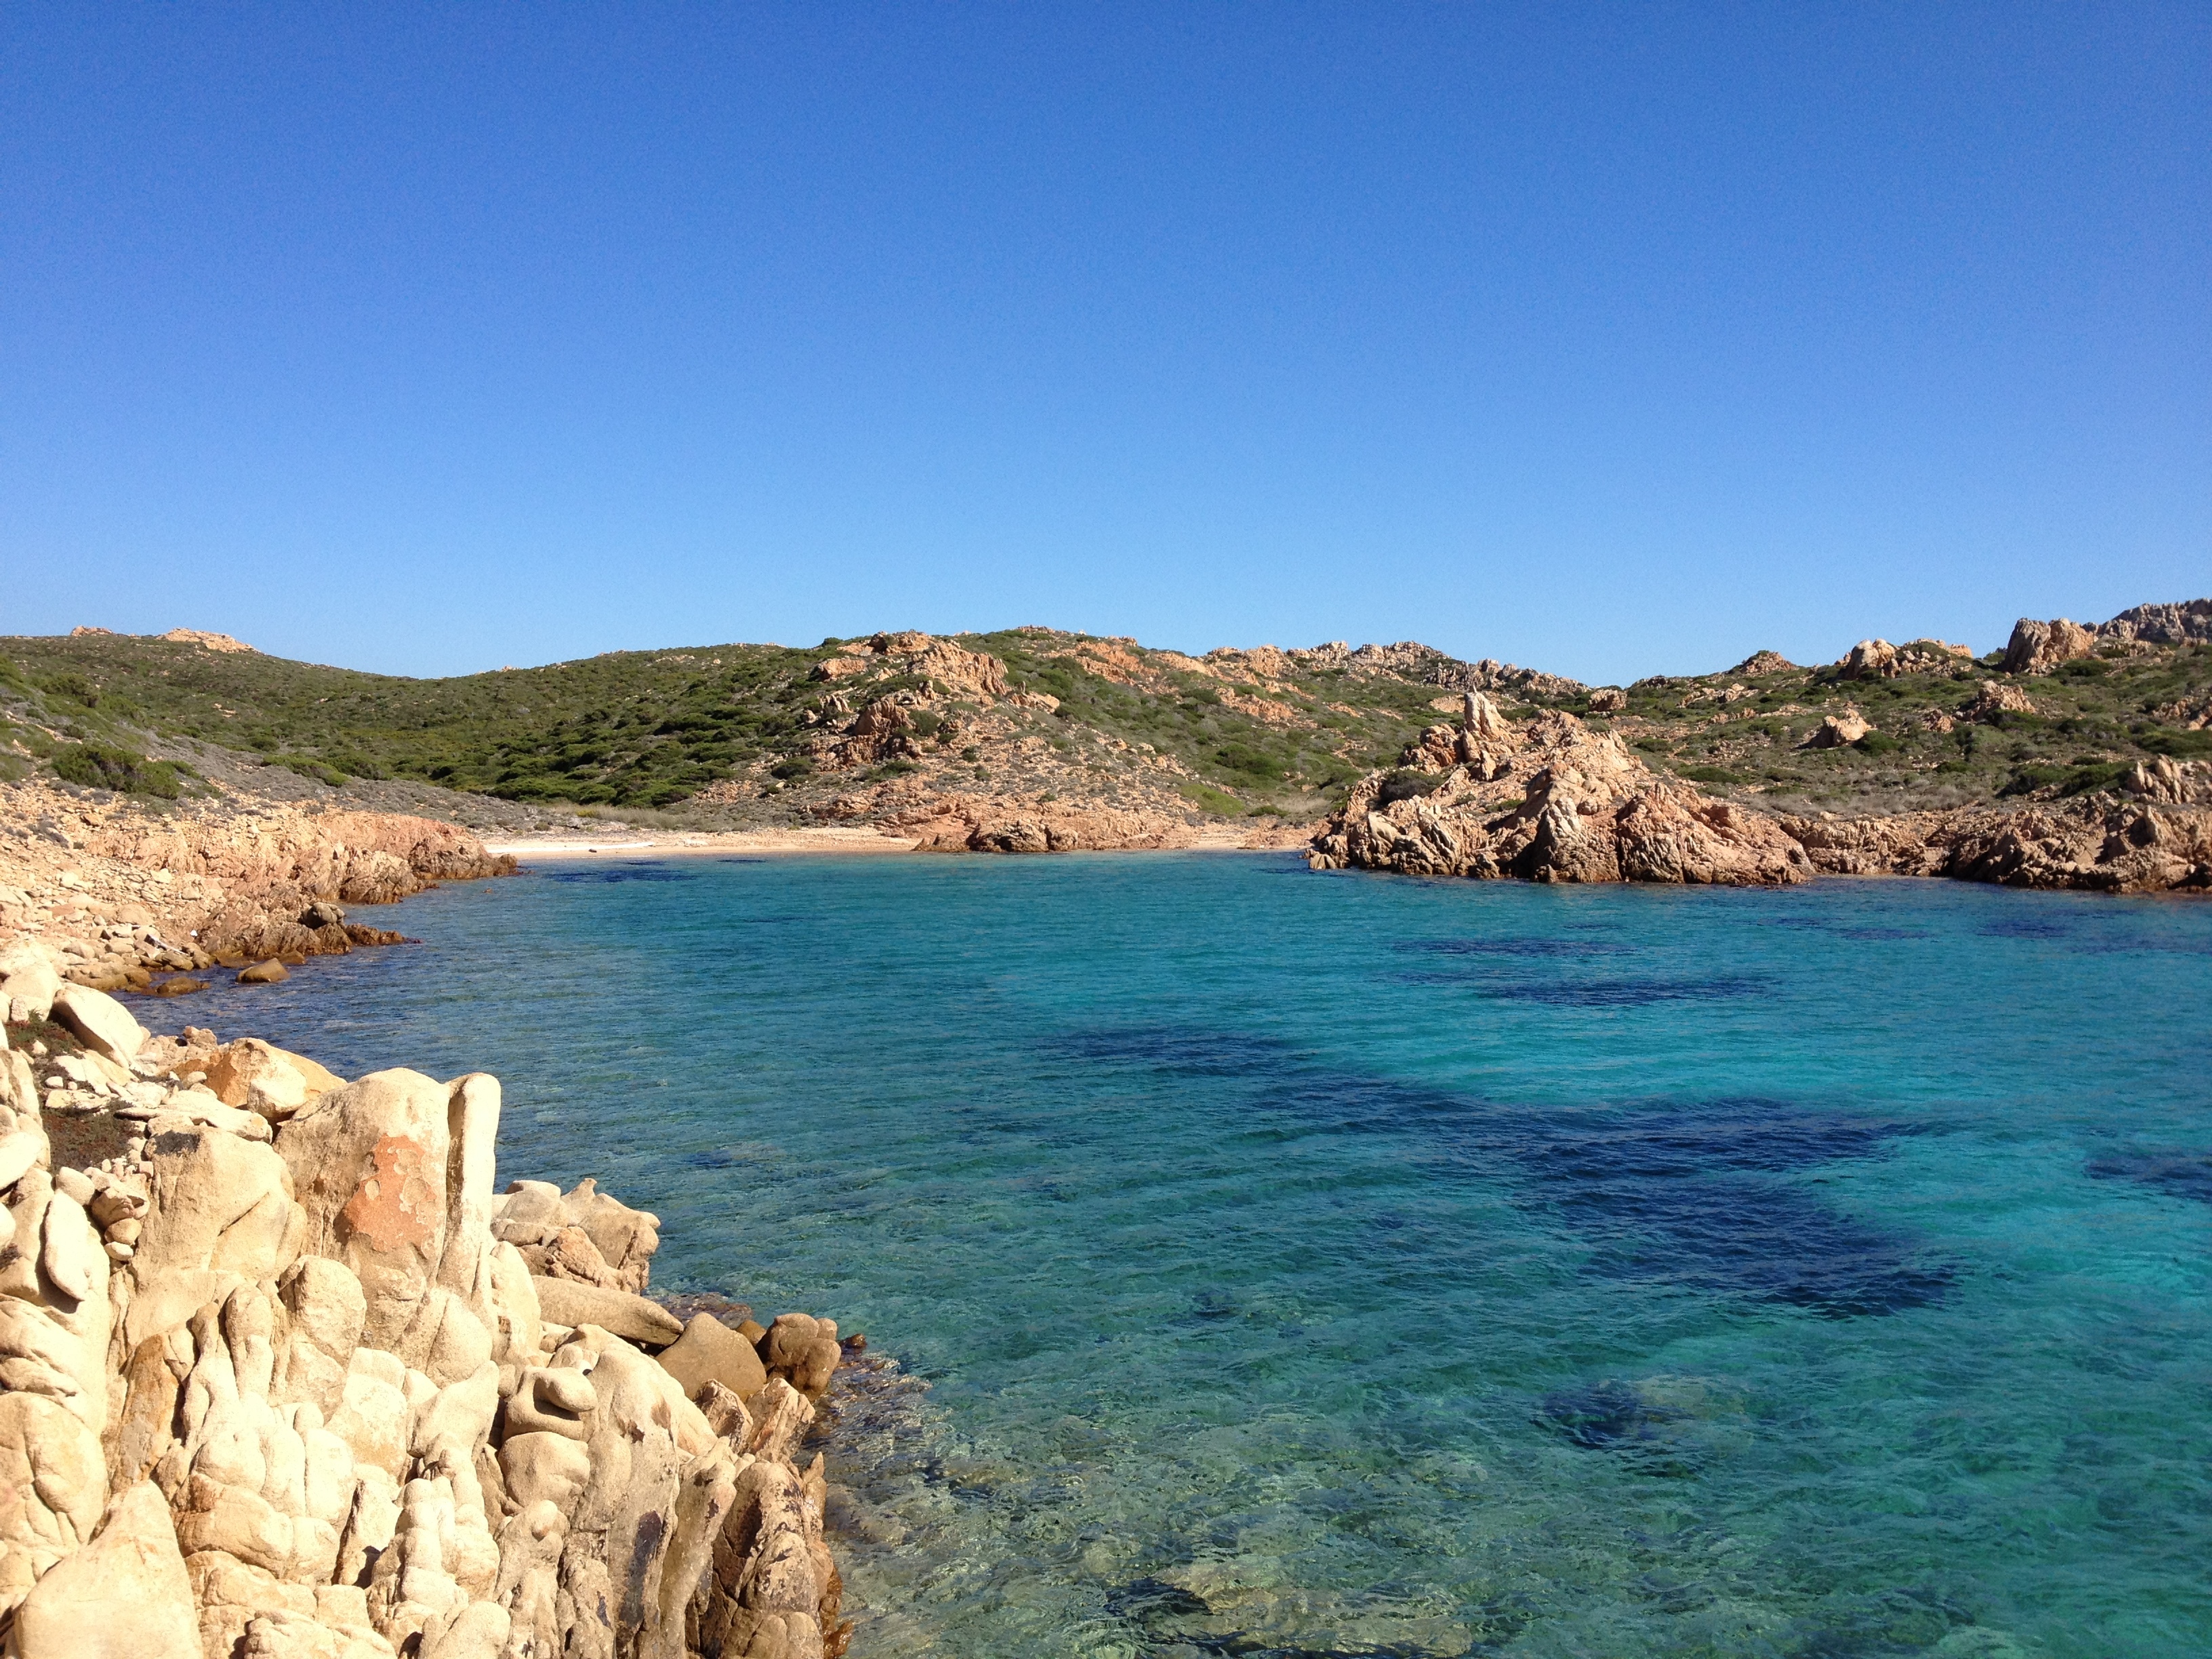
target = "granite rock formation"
x: 278, y: 1382
x: 2159, y: 842
x: 1547, y: 800
x: 2037, y: 647
x: 118, y: 894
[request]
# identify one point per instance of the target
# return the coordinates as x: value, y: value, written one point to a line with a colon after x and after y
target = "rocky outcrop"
x: 113, y: 896
x: 1994, y: 700
x: 207, y: 642
x: 952, y: 670
x: 2187, y: 624
x: 967, y: 823
x: 2175, y: 783
x: 2037, y: 647
x: 1878, y: 659
x: 1552, y: 800
x: 2101, y: 847
x: 283, y: 1383
x: 581, y: 1234
x: 285, y: 876
x: 1837, y: 731
x: 1763, y: 662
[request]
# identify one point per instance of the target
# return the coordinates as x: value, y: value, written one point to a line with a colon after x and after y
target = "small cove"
x: 1278, y: 1263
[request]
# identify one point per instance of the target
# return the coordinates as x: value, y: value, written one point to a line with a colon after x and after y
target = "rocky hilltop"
x: 287, y: 1375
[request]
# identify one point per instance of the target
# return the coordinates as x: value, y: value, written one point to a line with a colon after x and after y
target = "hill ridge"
x: 874, y: 728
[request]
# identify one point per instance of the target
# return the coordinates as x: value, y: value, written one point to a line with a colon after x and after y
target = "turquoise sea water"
x: 1275, y: 1263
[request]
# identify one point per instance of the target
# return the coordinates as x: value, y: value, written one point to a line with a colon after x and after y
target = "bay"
x: 1257, y: 1262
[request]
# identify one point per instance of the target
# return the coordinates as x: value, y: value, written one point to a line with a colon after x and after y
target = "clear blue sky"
x: 1613, y: 340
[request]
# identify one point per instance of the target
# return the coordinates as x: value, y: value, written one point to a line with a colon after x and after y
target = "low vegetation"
x: 1233, y: 733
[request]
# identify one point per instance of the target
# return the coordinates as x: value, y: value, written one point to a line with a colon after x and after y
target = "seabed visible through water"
x: 1262, y: 1262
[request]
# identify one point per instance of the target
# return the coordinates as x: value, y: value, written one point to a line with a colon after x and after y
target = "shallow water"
x: 1351, y: 1265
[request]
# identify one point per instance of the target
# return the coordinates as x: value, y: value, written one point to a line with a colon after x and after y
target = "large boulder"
x: 563, y: 1302
x: 266, y: 1079
x: 583, y: 1235
x: 219, y: 1204
x: 2037, y: 647
x: 53, y: 1483
x: 27, y: 990
x: 124, y: 1595
x: 100, y: 1023
x: 1838, y: 731
x: 393, y: 1175
x: 709, y: 1351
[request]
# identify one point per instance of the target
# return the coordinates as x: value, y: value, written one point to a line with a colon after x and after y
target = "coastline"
x: 498, y: 1443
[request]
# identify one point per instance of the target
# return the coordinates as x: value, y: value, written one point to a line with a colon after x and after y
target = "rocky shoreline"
x: 1549, y: 799
x: 114, y: 894
x: 286, y: 1375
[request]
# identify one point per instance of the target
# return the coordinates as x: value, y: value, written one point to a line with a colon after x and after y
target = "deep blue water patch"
x: 1691, y: 1192
x: 1604, y: 993
x: 2177, y: 1174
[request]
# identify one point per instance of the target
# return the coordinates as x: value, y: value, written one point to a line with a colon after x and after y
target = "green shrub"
x: 2077, y: 780
x: 1245, y: 758
x: 95, y: 766
x: 1213, y: 801
x: 2181, y: 745
x: 74, y: 687
x: 1878, y: 743
x: 307, y: 766
x: 797, y: 767
x: 1710, y: 774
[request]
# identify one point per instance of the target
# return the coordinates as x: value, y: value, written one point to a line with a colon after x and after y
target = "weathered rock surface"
x: 1551, y: 800
x: 2132, y: 848
x: 581, y: 1234
x: 1994, y: 699
x: 1836, y: 731
x: 2037, y: 647
x: 2187, y: 624
x: 1878, y: 659
x: 287, y: 1391
x: 124, y: 1595
x: 110, y: 895
x: 964, y: 823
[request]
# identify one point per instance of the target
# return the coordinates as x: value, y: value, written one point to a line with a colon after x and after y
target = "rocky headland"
x: 114, y: 894
x: 286, y: 1375
x: 1547, y: 800
x: 1551, y: 800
